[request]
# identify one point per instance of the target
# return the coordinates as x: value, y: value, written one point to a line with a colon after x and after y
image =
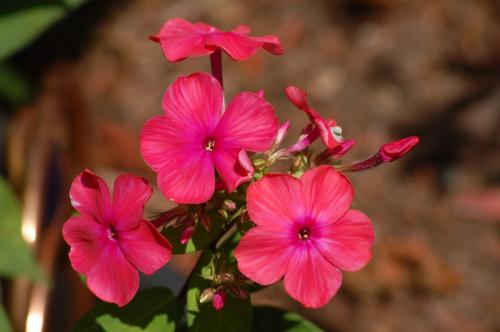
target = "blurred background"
x: 79, y: 78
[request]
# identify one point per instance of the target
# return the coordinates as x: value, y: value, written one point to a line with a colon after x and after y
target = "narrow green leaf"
x: 4, y: 321
x: 270, y: 319
x: 16, y: 257
x: 23, y: 22
x: 151, y: 310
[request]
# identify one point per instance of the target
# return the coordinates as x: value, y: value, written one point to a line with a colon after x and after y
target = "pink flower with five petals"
x: 196, y: 134
x: 110, y: 240
x: 180, y: 39
x: 305, y: 233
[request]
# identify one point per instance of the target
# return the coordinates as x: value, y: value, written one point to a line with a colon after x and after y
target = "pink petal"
x: 276, y: 202
x: 263, y: 255
x: 327, y: 193
x: 145, y: 248
x: 249, y: 122
x: 180, y: 39
x: 162, y: 141
x: 310, y: 278
x: 188, y: 177
x: 85, y: 237
x: 89, y: 195
x: 240, y: 47
x: 113, y: 278
x: 234, y: 167
x: 325, y: 131
x: 194, y: 103
x: 347, y: 243
x: 109, y: 275
x: 130, y: 194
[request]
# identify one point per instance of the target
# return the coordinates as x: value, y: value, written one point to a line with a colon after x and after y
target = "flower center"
x: 209, y: 144
x: 112, y: 233
x: 304, y: 234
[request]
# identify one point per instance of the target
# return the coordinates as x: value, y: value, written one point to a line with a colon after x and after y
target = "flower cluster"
x: 212, y: 159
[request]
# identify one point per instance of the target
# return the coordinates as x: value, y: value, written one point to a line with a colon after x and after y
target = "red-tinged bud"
x: 218, y: 299
x: 334, y: 153
x: 282, y: 131
x: 260, y: 93
x: 397, y: 149
x: 297, y: 97
x: 239, y: 292
x: 222, y: 278
x: 306, y: 138
x: 186, y: 234
x: 387, y: 153
x: 207, y: 295
x: 229, y: 205
x: 164, y: 218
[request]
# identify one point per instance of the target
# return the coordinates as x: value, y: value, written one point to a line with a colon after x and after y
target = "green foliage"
x: 14, y: 88
x: 151, y: 310
x: 4, y: 322
x: 236, y: 315
x: 201, y: 237
x: 23, y: 21
x: 269, y: 319
x: 16, y: 258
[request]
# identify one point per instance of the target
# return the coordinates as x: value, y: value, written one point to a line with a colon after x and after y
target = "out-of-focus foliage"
x: 16, y: 258
x: 21, y: 21
x: 4, y: 322
x: 14, y: 88
x: 274, y: 319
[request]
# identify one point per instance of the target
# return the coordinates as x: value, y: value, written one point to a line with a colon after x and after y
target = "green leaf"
x: 4, y: 321
x: 200, y: 239
x: 16, y: 257
x: 269, y: 319
x: 236, y: 315
x: 151, y: 310
x: 23, y: 21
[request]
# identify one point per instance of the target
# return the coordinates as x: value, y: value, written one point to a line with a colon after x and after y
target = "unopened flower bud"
x: 397, y: 149
x: 282, y: 131
x: 225, y: 277
x: 239, y: 292
x: 218, y: 299
x: 229, y: 205
x: 259, y: 162
x: 297, y: 97
x: 186, y: 234
x: 334, y: 153
x: 207, y: 295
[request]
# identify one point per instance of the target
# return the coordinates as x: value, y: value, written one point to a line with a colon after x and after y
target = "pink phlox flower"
x: 196, y: 134
x: 330, y: 133
x: 110, y: 240
x: 180, y: 39
x: 305, y: 233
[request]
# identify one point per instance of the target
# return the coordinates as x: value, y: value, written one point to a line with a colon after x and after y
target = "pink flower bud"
x: 218, y: 299
x: 397, y: 149
x: 297, y: 97
x: 282, y: 131
x: 186, y: 234
x: 334, y: 153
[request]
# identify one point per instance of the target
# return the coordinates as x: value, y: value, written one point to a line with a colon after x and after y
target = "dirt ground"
x: 384, y: 69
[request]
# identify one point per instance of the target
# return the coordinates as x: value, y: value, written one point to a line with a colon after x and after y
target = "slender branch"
x: 216, y: 65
